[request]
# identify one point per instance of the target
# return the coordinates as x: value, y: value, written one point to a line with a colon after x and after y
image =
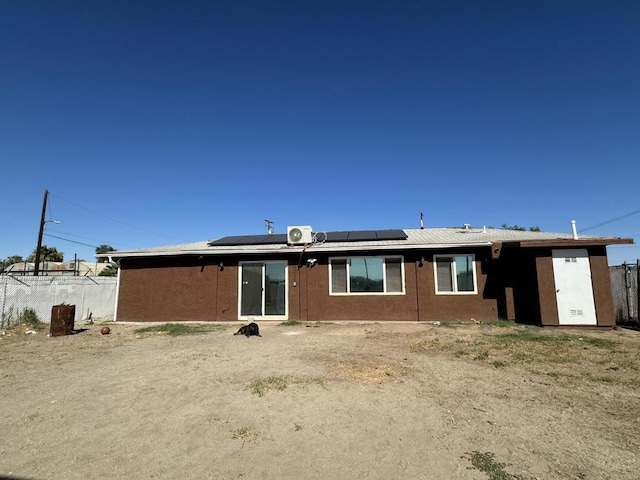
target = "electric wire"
x: 113, y: 219
x: 96, y: 239
x: 67, y: 240
x: 607, y: 222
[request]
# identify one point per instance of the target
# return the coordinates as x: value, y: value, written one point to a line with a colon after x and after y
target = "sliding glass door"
x: 263, y: 290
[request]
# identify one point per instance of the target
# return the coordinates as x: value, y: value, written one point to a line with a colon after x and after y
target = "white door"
x: 574, y: 290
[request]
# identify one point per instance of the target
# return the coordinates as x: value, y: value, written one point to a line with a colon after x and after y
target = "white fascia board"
x: 431, y: 246
x: 323, y: 249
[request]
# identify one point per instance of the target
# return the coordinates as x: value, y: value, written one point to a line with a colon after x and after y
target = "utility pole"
x: 36, y: 268
x: 269, y: 224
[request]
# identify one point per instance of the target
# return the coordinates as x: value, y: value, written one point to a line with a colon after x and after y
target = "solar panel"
x: 396, y: 234
x: 251, y: 240
x: 235, y: 240
x: 231, y: 240
x: 337, y: 236
x: 274, y: 238
x: 362, y: 235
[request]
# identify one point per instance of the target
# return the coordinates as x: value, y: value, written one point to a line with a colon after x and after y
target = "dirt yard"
x: 321, y: 401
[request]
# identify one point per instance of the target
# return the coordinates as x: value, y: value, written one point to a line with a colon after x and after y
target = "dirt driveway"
x: 321, y: 401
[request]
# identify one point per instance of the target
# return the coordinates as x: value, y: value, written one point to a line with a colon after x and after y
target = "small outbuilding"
x: 421, y: 275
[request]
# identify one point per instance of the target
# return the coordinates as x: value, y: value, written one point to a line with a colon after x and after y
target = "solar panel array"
x: 343, y: 236
x: 366, y: 235
x: 237, y: 240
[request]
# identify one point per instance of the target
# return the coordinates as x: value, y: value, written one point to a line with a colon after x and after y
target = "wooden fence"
x: 624, y: 287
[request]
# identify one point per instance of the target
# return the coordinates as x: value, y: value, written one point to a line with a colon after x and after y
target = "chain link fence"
x: 94, y: 297
x: 624, y: 287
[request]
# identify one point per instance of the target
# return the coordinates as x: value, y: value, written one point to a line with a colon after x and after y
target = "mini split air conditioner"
x: 299, y: 235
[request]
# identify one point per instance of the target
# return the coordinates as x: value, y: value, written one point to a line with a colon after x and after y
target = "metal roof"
x: 427, y: 238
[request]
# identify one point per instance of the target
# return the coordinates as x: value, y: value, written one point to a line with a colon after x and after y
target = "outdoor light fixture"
x: 421, y: 262
x: 221, y: 266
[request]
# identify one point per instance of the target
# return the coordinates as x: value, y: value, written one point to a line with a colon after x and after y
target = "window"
x: 366, y: 275
x: 455, y: 274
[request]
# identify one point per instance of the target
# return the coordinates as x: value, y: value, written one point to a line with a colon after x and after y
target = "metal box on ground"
x: 62, y: 320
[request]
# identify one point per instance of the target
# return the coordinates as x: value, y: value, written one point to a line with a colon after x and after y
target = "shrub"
x: 29, y: 318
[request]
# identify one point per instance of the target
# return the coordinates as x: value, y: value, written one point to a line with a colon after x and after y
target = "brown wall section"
x: 519, y: 284
x: 602, y: 287
x: 321, y: 305
x: 456, y: 307
x: 546, y: 301
x: 186, y: 289
x: 547, y: 304
x: 167, y: 294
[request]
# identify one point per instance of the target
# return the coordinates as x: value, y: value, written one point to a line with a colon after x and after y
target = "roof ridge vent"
x: 467, y: 228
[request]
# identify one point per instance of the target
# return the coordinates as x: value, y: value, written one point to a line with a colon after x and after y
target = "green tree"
x: 104, y: 249
x: 519, y: 228
x: 47, y: 254
x: 110, y: 270
x: 13, y: 259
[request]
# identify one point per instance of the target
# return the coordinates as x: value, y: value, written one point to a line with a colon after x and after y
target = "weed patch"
x: 27, y: 319
x: 246, y: 434
x: 290, y: 323
x: 574, y: 357
x: 279, y: 383
x: 486, y: 463
x: 177, y: 329
x: 369, y: 372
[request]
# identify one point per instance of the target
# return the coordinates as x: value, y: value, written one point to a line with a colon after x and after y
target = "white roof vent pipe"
x: 574, y: 231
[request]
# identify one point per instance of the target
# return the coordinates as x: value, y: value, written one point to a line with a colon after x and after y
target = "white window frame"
x: 384, y: 275
x: 453, y: 273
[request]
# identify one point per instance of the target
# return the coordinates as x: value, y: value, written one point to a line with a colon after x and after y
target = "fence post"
x: 638, y: 291
x: 627, y: 288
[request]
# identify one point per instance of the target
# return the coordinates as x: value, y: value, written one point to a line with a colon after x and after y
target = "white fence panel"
x: 94, y: 297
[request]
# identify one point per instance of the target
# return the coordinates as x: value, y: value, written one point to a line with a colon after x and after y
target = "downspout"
x: 4, y: 298
x: 638, y: 291
x: 115, y: 308
x: 416, y: 267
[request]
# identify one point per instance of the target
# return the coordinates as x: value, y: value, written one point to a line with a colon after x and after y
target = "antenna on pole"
x: 269, y: 224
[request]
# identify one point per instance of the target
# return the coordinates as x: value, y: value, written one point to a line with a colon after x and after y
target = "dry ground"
x: 322, y: 401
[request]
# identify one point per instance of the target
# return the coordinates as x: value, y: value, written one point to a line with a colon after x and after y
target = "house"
x: 421, y: 275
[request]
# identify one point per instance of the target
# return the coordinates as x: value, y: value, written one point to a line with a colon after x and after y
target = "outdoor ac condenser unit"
x: 299, y: 235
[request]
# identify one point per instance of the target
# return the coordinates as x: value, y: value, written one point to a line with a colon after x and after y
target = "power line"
x: 96, y: 239
x: 607, y: 222
x: 113, y: 219
x: 72, y: 241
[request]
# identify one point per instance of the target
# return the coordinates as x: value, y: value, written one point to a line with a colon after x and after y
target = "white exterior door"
x: 574, y: 290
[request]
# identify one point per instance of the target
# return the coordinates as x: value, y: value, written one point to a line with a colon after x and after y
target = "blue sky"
x: 157, y: 122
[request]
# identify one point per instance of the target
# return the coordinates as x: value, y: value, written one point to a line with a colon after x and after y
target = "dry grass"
x: 371, y: 372
x: 579, y: 356
x: 278, y: 383
x: 246, y: 434
x: 177, y: 329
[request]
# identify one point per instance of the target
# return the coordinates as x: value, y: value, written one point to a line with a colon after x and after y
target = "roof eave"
x: 587, y: 242
x: 294, y: 250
